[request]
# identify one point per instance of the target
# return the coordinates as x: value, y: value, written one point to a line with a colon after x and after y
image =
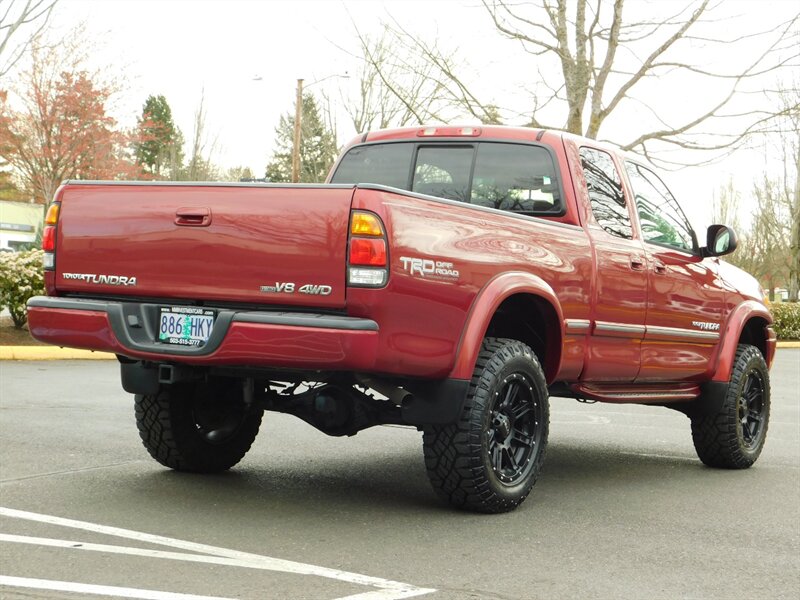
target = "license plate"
x: 185, y: 325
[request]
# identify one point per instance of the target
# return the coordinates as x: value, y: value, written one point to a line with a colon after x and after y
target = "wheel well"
x: 533, y: 321
x: 753, y: 333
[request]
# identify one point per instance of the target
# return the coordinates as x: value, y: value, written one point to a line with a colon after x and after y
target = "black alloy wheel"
x: 514, y: 431
x: 751, y: 409
x: 733, y: 437
x: 489, y: 460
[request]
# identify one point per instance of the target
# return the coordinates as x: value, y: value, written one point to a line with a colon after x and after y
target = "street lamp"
x: 298, y: 121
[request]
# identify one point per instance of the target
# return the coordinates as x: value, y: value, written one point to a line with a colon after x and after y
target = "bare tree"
x: 773, y: 248
x: 396, y: 84
x: 725, y: 206
x: 592, y: 59
x: 30, y: 18
x: 794, y: 247
x: 766, y: 253
x: 770, y: 248
x: 790, y: 145
x: 425, y: 78
x: 725, y: 210
x: 200, y: 166
x: 375, y: 105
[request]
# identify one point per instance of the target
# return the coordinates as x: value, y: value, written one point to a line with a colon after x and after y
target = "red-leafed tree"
x: 55, y: 125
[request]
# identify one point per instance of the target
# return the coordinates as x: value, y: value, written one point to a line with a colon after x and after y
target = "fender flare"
x: 483, y: 308
x: 733, y: 332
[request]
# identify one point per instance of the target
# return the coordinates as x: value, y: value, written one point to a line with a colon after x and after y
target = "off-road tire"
x: 734, y: 437
x: 462, y: 459
x: 177, y: 425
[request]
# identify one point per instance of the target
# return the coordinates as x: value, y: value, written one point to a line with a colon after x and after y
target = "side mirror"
x: 720, y: 240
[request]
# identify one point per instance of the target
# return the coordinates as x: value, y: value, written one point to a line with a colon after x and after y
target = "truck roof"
x: 466, y: 131
x: 478, y: 132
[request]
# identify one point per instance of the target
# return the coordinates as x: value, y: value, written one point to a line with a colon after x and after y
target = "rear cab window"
x: 514, y: 177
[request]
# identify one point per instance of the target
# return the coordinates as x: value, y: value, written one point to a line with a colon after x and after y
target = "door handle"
x: 193, y: 217
x: 659, y: 268
x: 637, y: 263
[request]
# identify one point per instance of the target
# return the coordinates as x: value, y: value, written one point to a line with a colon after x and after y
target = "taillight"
x: 49, y: 236
x: 368, y: 252
x: 368, y: 261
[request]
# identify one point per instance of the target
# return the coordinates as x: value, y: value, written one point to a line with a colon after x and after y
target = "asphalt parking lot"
x: 623, y: 509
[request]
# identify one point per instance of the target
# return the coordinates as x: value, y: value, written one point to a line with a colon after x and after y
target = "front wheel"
x: 734, y: 437
x: 489, y: 460
x: 201, y: 428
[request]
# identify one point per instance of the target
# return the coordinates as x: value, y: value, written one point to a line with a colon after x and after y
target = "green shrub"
x: 21, y: 276
x: 787, y: 320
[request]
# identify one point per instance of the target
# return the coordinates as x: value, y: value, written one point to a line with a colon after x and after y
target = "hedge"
x: 21, y: 276
x: 787, y: 320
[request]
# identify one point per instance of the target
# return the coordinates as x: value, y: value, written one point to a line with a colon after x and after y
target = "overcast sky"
x: 183, y: 48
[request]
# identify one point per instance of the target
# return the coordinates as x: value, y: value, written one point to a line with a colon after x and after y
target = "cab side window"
x: 605, y: 192
x: 660, y: 217
x: 516, y: 178
x: 384, y: 164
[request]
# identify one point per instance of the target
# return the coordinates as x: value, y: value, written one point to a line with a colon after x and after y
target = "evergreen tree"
x: 159, y: 145
x: 239, y: 173
x: 318, y: 147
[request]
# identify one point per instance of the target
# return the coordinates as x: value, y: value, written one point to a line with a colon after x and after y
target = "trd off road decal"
x: 429, y: 269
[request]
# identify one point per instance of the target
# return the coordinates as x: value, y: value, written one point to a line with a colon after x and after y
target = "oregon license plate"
x: 185, y: 325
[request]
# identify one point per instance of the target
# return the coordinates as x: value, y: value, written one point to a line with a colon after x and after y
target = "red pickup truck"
x: 448, y: 278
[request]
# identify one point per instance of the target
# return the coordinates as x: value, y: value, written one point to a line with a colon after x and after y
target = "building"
x: 20, y: 223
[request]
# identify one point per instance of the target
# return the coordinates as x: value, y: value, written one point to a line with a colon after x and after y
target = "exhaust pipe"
x: 395, y: 394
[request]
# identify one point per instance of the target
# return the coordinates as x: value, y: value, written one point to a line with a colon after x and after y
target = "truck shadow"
x: 397, y: 482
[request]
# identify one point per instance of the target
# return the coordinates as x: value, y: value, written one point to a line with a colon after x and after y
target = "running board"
x: 637, y: 393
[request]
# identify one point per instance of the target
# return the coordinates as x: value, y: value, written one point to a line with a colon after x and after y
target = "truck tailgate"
x: 250, y: 244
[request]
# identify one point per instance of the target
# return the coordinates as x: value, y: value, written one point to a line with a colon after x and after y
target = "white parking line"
x: 98, y: 590
x: 388, y: 590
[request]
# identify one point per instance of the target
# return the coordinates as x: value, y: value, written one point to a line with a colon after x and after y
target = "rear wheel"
x: 202, y: 428
x: 734, y: 437
x: 489, y: 460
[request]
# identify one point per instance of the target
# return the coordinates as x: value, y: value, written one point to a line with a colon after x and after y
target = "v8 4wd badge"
x: 289, y: 287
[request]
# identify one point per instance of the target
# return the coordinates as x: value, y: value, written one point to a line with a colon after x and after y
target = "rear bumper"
x: 243, y: 338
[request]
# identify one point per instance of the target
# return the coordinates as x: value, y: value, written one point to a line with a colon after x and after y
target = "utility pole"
x: 298, y: 123
x: 298, y: 117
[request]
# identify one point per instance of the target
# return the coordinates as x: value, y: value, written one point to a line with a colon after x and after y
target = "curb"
x: 56, y: 353
x: 50, y: 353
